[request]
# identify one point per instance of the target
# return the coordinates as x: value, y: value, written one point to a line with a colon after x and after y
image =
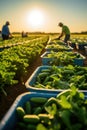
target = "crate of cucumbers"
x: 62, y: 58
x: 53, y: 79
x: 39, y: 111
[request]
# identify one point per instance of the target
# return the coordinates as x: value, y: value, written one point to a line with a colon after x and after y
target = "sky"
x: 22, y: 17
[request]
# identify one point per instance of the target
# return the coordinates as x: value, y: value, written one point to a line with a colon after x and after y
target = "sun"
x: 36, y: 18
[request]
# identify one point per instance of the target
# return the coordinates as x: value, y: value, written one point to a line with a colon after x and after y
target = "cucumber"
x: 21, y: 125
x: 80, y: 72
x: 49, y: 83
x: 40, y: 100
x: 67, y: 71
x: 31, y: 119
x: 38, y: 79
x: 31, y: 127
x: 46, y: 79
x: 28, y: 107
x: 39, y: 85
x: 46, y: 70
x: 37, y: 110
x: 43, y: 116
x: 42, y: 75
x: 20, y: 112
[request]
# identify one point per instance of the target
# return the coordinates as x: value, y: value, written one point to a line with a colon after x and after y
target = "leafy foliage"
x: 15, y: 60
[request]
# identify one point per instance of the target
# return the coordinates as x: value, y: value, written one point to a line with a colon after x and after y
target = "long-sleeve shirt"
x: 5, y: 30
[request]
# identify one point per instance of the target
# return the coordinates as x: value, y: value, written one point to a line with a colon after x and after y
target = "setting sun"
x: 35, y: 18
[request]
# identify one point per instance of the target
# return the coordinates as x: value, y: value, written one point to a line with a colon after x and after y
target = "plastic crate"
x: 10, y: 119
x: 31, y: 81
x: 1, y: 48
x: 73, y: 45
x: 79, y: 61
x: 81, y: 46
x: 46, y: 60
x: 85, y: 50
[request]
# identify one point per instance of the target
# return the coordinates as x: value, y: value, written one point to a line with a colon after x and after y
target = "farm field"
x: 13, y: 88
x: 43, y: 65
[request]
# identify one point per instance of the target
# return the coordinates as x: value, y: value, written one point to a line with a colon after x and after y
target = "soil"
x: 14, y: 91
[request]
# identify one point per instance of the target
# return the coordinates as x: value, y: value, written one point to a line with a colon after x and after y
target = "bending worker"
x: 5, y: 31
x: 65, y: 31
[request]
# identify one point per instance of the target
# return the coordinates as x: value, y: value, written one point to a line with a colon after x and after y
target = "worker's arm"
x: 10, y: 35
x: 62, y: 33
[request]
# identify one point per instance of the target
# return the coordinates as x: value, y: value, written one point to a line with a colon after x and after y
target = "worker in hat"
x: 65, y: 31
x: 5, y: 31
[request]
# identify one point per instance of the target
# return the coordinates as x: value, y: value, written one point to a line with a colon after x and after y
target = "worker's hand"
x: 58, y: 38
x: 10, y: 36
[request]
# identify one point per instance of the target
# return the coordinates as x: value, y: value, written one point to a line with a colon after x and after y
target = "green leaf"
x: 74, y: 90
x: 52, y: 110
x: 64, y: 103
x: 41, y: 127
x: 81, y: 95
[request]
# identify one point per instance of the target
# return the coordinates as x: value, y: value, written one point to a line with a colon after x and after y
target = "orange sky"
x: 70, y: 12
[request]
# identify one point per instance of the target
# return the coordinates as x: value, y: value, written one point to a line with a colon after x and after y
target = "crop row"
x: 16, y: 39
x: 15, y: 60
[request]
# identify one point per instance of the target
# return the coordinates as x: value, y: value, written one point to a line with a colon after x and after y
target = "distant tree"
x: 84, y: 32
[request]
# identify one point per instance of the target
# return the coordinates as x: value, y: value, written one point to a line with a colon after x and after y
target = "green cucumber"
x: 44, y: 117
x: 37, y: 110
x: 68, y: 71
x: 46, y: 70
x: 40, y: 100
x: 38, y: 79
x: 31, y: 119
x: 44, y: 74
x: 20, y: 112
x: 46, y: 79
x: 21, y: 125
x: 31, y: 127
x: 28, y: 107
x: 80, y: 72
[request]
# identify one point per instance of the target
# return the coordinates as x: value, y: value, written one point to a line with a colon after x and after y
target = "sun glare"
x: 36, y: 18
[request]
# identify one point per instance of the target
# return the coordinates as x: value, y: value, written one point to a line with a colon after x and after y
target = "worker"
x: 65, y: 31
x: 24, y: 34
x: 6, y: 32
